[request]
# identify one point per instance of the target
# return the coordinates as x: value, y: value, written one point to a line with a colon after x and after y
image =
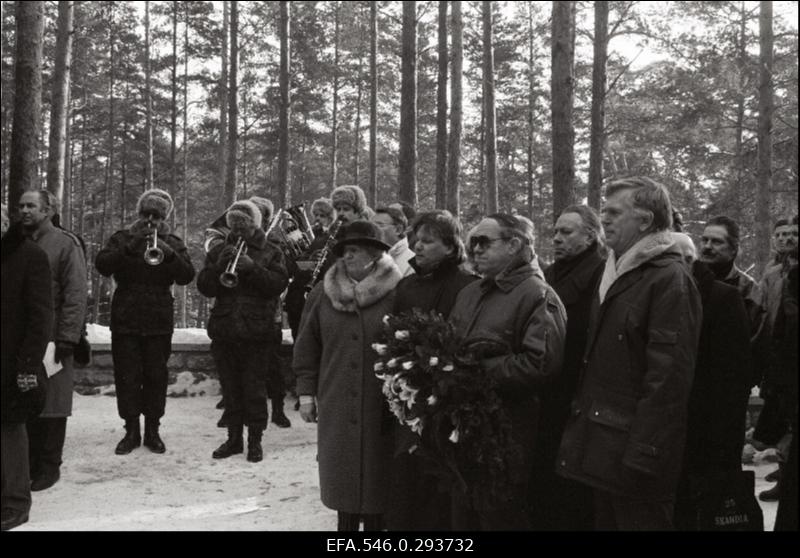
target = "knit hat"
x: 351, y: 195
x: 243, y: 210
x: 322, y: 204
x: 364, y: 233
x: 266, y: 207
x: 156, y: 201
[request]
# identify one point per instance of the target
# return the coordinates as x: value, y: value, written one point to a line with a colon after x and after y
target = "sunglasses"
x: 483, y: 241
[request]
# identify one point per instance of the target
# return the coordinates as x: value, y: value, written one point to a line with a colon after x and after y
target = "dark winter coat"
x: 142, y: 302
x: 627, y: 428
x: 27, y: 318
x: 720, y: 391
x: 246, y: 311
x: 70, y: 290
x: 433, y: 290
x: 333, y: 360
x: 518, y: 309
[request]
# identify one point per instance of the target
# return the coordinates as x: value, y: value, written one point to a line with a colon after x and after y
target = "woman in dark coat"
x: 27, y: 323
x: 416, y: 503
x: 333, y: 361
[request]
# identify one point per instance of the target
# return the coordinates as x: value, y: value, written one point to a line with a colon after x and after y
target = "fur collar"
x: 643, y: 251
x: 348, y: 296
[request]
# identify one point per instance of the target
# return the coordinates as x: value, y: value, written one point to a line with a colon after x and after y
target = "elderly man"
x: 393, y: 223
x: 626, y: 435
x: 68, y: 271
x: 512, y: 307
x: 579, y: 249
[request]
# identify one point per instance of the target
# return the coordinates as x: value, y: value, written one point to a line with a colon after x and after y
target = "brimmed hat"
x: 360, y: 232
x: 267, y: 208
x: 351, y: 195
x: 155, y: 200
x: 243, y: 210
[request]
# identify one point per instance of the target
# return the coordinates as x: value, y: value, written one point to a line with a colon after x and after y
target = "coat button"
x: 619, y: 337
x: 597, y: 413
x: 563, y: 463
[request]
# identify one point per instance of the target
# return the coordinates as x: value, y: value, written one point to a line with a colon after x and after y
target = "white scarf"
x: 643, y: 251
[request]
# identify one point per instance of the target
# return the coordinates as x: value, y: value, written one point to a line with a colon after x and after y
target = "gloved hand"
x: 226, y: 254
x: 245, y: 264
x: 308, y: 409
x: 26, y: 381
x: 64, y: 349
x: 169, y: 253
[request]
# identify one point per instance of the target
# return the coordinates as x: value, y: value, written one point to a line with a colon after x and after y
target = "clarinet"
x: 323, y: 254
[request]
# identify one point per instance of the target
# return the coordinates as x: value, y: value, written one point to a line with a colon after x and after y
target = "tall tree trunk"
x: 57, y: 147
x: 407, y: 171
x: 284, y: 193
x: 233, y: 105
x: 598, y: 102
x: 561, y: 106
x: 765, y: 110
x: 123, y: 170
x: 27, y: 100
x: 357, y: 150
x: 488, y: 99
x: 173, y: 120
x: 223, y: 110
x: 741, y: 63
x: 531, y: 112
x: 184, y: 292
x: 69, y: 167
x: 441, y: 110
x: 372, y: 189
x: 82, y: 202
x: 148, y: 103
x: 335, y: 126
x: 454, y: 141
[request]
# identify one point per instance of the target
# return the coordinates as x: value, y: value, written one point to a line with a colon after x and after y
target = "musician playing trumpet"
x: 247, y: 275
x: 145, y: 260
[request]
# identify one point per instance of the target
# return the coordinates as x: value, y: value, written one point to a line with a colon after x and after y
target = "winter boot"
x: 233, y: 445
x: 254, y: 451
x: 278, y: 416
x: 132, y: 439
x: 152, y: 440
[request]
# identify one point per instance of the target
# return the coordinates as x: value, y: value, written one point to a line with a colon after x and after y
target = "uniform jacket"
x: 27, y: 317
x: 627, y: 428
x: 245, y: 312
x: 519, y: 310
x: 333, y: 360
x: 70, y: 290
x: 142, y: 302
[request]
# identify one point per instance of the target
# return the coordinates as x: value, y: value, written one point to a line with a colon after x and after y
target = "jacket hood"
x: 647, y: 249
x: 348, y: 296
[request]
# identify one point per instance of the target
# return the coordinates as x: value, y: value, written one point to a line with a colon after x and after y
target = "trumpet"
x: 229, y: 278
x: 153, y: 255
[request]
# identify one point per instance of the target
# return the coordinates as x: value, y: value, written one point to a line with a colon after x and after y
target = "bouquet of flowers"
x: 434, y: 385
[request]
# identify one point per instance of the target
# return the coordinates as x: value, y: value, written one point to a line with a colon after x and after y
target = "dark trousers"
x: 16, y: 479
x: 46, y: 444
x: 276, y: 387
x: 618, y: 513
x: 512, y: 515
x: 351, y: 521
x: 416, y: 503
x: 140, y: 374
x: 242, y: 367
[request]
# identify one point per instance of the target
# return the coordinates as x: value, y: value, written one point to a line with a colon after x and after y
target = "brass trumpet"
x: 153, y: 255
x: 229, y: 278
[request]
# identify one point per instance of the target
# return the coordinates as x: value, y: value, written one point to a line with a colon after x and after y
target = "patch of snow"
x: 100, y: 334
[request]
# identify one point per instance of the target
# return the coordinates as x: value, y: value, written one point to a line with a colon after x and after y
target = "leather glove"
x: 169, y: 253
x: 27, y: 381
x: 245, y: 264
x: 308, y: 410
x: 64, y: 349
x: 226, y: 255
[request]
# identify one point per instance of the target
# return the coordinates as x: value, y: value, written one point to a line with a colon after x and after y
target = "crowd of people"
x: 625, y: 366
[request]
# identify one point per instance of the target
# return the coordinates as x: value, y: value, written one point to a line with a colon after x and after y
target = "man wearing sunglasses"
x: 519, y: 323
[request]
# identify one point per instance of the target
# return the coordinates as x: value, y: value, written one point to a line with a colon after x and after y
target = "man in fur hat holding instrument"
x: 241, y: 325
x: 145, y: 260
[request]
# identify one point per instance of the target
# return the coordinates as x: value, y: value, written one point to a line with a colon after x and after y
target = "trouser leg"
x: 36, y: 436
x: 253, y: 379
x: 53, y: 447
x: 127, y: 354
x: 155, y: 354
x: 347, y: 521
x: 16, y: 480
x: 227, y: 356
x: 618, y: 513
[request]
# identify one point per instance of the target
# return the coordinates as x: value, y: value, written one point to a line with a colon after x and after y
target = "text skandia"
x: 731, y: 520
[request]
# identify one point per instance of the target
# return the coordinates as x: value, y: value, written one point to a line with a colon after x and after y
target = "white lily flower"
x: 379, y: 348
x: 408, y: 365
x: 385, y: 319
x: 401, y: 334
x: 448, y: 368
x: 433, y: 361
x: 454, y: 436
x: 378, y: 366
x: 392, y: 363
x: 415, y: 424
x: 432, y: 400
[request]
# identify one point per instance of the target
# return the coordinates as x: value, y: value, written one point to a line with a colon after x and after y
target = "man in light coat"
x: 393, y: 225
x: 627, y: 430
x: 68, y: 268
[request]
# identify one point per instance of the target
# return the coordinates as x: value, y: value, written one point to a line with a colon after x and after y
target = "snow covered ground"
x: 185, y: 489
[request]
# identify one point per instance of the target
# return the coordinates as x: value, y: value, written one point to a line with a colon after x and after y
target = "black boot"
x: 152, y: 440
x: 254, y: 451
x: 233, y: 445
x: 278, y: 417
x: 132, y: 439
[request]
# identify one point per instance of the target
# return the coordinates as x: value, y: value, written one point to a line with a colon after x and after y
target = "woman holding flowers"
x: 333, y: 361
x: 416, y: 503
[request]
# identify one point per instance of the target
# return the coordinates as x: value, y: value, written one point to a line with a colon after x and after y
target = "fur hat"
x: 351, y: 195
x: 364, y: 233
x: 155, y: 200
x: 243, y: 210
x: 266, y: 207
x: 322, y: 204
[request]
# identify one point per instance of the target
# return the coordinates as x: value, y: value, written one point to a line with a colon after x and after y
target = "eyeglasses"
x: 483, y: 241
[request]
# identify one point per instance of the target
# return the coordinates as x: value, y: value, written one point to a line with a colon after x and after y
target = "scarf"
x: 347, y: 295
x: 640, y: 253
